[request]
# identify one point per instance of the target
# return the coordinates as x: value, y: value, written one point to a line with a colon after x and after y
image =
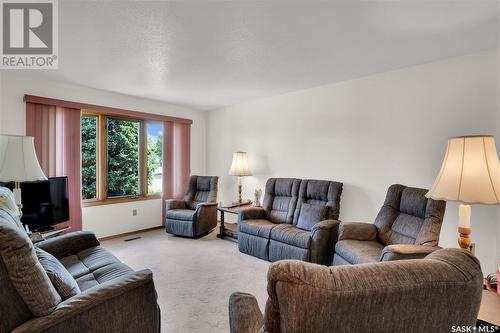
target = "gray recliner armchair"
x: 407, y: 227
x: 196, y: 215
x: 298, y: 220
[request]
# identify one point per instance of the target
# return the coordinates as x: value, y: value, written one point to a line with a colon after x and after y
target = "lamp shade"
x: 470, y: 172
x: 239, y: 166
x: 18, y: 160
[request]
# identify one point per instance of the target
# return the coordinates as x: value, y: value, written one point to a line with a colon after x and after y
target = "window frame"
x: 102, y: 161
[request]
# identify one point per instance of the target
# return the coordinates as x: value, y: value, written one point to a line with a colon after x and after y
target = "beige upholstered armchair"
x: 428, y: 295
x: 407, y: 227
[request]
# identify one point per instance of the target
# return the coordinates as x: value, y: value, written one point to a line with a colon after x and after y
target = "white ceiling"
x: 207, y: 55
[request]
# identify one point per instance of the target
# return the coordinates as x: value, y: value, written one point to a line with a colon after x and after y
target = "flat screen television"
x: 45, y: 203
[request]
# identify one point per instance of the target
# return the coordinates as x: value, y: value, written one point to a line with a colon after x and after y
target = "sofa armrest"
x: 205, y: 217
x: 244, y: 314
x: 203, y: 205
x: 357, y: 231
x: 406, y: 251
x: 251, y: 213
x: 324, y: 235
x: 127, y: 303
x: 175, y: 204
x: 68, y: 244
x: 325, y: 225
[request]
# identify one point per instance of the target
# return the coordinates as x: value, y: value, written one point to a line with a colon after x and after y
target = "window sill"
x: 92, y: 203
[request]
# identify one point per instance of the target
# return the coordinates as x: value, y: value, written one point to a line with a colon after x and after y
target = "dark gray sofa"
x: 196, y: 215
x: 407, y: 227
x: 430, y: 295
x: 272, y: 232
x: 112, y: 297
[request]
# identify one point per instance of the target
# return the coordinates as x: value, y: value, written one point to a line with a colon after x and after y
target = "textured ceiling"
x: 207, y: 55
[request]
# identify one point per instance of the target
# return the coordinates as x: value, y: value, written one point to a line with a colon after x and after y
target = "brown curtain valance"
x: 103, y: 109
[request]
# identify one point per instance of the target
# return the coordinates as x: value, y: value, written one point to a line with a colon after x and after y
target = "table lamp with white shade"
x: 470, y: 174
x: 18, y: 163
x: 239, y: 167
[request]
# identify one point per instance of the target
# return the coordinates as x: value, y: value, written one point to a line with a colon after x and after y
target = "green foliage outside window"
x: 89, y: 157
x: 155, y: 146
x: 123, y: 157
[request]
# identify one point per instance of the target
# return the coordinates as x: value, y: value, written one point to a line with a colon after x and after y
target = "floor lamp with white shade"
x: 18, y: 163
x: 470, y: 174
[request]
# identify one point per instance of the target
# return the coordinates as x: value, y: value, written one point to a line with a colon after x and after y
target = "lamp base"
x: 18, y: 197
x: 464, y: 229
x: 240, y: 189
x: 464, y: 237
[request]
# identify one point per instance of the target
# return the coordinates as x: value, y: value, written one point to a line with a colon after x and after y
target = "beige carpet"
x: 193, y: 277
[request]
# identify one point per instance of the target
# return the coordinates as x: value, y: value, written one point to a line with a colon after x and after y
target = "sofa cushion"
x: 94, y: 266
x: 321, y: 193
x: 280, y: 199
x: 408, y: 217
x: 310, y: 215
x: 203, y: 183
x: 291, y: 235
x: 201, y: 189
x: 281, y: 251
x: 253, y: 245
x: 24, y: 270
x: 181, y: 214
x: 103, y: 274
x: 358, y: 252
x: 64, y: 283
x: 257, y: 227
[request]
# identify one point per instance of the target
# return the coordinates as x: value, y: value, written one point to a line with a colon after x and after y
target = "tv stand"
x: 53, y: 231
x: 44, y: 229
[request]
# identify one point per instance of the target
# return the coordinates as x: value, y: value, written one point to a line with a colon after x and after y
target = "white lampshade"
x: 470, y: 172
x: 239, y: 166
x: 18, y: 160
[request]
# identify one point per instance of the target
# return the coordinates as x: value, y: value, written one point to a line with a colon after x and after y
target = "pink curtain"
x: 176, y: 160
x: 58, y: 146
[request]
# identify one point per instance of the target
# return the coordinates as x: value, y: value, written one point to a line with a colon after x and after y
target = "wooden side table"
x: 230, y: 230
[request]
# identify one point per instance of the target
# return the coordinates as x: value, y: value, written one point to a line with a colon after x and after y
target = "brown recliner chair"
x: 196, y: 215
x: 407, y: 227
x: 429, y: 295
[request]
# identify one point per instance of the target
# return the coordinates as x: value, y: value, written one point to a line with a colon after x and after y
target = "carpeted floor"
x: 193, y: 277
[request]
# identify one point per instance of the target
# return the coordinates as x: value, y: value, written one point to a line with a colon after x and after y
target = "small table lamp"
x: 18, y: 163
x: 239, y: 167
x: 470, y: 174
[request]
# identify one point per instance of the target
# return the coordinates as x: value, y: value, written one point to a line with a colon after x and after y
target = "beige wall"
x: 367, y: 133
x: 110, y: 219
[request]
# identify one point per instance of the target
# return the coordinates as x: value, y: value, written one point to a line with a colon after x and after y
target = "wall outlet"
x: 472, y: 249
x: 134, y: 212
